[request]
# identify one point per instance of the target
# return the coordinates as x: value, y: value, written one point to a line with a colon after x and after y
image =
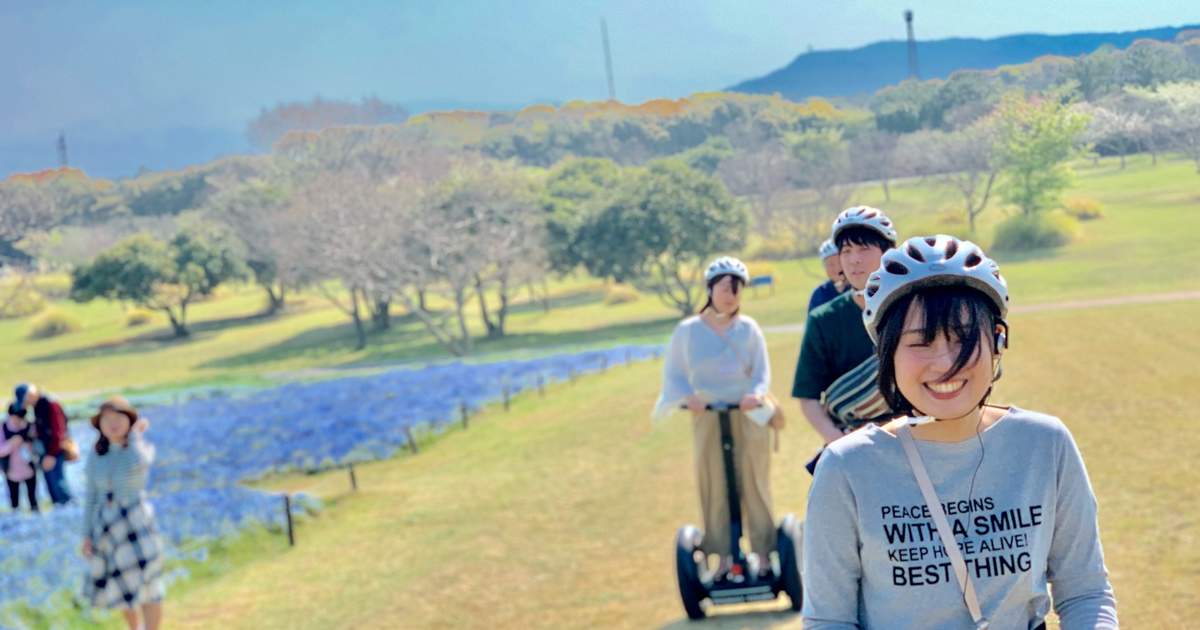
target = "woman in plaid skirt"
x: 120, y: 539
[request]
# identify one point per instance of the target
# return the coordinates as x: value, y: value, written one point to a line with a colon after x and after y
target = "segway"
x: 740, y: 584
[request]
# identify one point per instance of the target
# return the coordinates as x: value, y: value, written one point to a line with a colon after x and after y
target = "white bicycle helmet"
x: 864, y: 216
x: 828, y: 249
x: 727, y: 265
x: 931, y: 261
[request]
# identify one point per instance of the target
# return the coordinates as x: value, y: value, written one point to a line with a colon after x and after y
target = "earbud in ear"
x: 1001, y: 338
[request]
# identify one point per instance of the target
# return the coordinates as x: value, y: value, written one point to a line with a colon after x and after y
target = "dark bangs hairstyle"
x: 862, y: 236
x: 957, y: 312
x: 738, y: 283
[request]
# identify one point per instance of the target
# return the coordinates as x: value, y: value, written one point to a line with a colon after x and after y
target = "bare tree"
x: 260, y: 211
x: 343, y: 240
x: 397, y: 165
x: 760, y: 175
x: 24, y: 209
x: 493, y: 212
x: 872, y: 158
x: 1114, y: 130
x: 823, y: 169
x: 961, y: 160
x: 1181, y: 104
x: 1157, y: 114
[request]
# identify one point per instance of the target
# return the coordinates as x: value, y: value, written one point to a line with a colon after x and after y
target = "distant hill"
x: 867, y: 69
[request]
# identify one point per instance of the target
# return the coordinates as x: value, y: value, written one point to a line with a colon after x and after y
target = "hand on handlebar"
x: 750, y: 401
x: 695, y: 404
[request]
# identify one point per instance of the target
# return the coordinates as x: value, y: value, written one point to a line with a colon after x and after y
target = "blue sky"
x: 122, y: 66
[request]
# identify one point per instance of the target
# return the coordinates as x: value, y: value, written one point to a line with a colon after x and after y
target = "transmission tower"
x: 912, y: 47
x: 62, y: 149
x: 612, y: 91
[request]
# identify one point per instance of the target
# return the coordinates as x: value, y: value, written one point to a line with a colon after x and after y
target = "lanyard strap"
x: 943, y: 526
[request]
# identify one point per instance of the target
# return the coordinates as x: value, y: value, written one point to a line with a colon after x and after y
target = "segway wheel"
x: 789, y: 540
x: 687, y: 569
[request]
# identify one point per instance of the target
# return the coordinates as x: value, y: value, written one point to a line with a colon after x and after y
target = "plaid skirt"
x: 126, y: 566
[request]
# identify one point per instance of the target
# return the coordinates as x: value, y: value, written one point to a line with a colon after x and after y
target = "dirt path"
x: 1149, y: 298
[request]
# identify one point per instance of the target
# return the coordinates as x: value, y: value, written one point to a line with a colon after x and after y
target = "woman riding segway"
x: 717, y: 367
x: 956, y: 514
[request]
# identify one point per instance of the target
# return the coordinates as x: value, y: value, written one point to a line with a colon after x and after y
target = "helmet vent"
x: 914, y: 253
x: 951, y: 248
x: 931, y: 240
x: 973, y: 259
x: 896, y: 268
x: 872, y: 290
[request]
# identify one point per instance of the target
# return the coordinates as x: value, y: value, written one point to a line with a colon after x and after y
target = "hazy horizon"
x: 150, y: 74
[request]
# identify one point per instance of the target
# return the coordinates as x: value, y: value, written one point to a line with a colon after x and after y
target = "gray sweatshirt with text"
x: 874, y: 559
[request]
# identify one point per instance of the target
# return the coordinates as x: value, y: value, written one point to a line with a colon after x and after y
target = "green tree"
x: 706, y: 157
x: 161, y: 276
x: 569, y: 189
x: 966, y: 94
x: 901, y: 108
x: 1149, y: 63
x: 1096, y: 74
x: 1035, y: 138
x: 660, y: 227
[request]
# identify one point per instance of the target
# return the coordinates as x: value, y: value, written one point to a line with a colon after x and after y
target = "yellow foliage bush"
x: 1083, y: 208
x: 620, y: 294
x: 53, y: 323
x: 138, y: 317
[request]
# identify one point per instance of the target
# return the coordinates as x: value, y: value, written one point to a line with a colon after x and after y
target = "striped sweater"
x: 123, y: 471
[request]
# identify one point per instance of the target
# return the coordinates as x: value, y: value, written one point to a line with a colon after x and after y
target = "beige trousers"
x: 752, y: 463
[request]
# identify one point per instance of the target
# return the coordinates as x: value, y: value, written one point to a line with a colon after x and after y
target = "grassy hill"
x: 560, y: 513
x: 867, y: 69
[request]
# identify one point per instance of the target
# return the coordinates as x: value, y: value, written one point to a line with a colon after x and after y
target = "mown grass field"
x: 561, y: 512
x: 1141, y: 246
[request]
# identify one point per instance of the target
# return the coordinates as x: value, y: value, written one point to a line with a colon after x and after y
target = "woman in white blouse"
x: 719, y: 357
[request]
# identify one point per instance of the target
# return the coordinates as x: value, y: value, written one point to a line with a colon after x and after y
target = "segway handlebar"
x: 718, y: 406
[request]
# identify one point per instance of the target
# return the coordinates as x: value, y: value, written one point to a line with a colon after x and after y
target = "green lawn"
x: 561, y: 512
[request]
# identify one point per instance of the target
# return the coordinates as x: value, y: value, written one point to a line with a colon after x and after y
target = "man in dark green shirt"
x: 835, y: 340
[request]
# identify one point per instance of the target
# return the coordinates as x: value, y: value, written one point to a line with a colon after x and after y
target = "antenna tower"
x: 612, y: 91
x: 912, y: 47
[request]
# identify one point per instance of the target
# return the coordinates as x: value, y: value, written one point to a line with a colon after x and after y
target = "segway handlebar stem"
x: 718, y: 406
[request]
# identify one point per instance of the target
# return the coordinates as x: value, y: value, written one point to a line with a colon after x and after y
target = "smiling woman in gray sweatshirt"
x: 1010, y: 483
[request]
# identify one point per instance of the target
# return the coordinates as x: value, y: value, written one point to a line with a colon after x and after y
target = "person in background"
x: 720, y: 356
x: 16, y: 458
x: 50, y: 422
x: 120, y: 537
x: 837, y: 368
x: 836, y: 284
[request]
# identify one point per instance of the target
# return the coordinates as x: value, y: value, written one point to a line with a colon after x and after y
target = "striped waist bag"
x: 854, y: 398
